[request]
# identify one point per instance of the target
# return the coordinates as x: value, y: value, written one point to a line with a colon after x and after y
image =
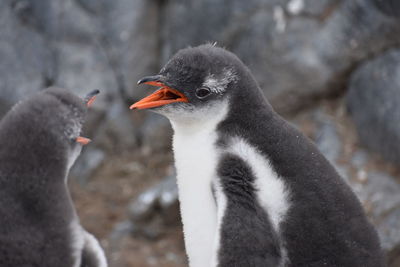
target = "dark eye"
x: 203, y: 92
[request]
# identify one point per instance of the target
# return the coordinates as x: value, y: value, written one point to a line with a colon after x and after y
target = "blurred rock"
x: 90, y: 159
x: 390, y: 7
x: 328, y: 141
x: 82, y: 45
x: 117, y: 132
x: 131, y: 39
x: 296, y: 49
x: 378, y: 191
x: 117, y: 241
x: 84, y: 67
x: 155, y: 133
x: 101, y: 55
x: 359, y: 159
x: 373, y: 102
x: 154, y: 208
x: 394, y: 257
x: 327, y: 138
x: 24, y: 56
x: 120, y: 230
x: 381, y: 194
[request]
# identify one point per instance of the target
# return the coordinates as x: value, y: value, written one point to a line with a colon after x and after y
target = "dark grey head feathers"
x: 206, y: 66
x: 206, y: 75
x: 39, y: 142
x: 42, y: 131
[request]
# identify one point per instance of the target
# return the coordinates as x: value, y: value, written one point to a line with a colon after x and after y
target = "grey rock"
x: 117, y: 240
x: 95, y: 7
x: 90, y: 159
x: 390, y: 7
x: 156, y: 207
x: 378, y: 191
x: 317, y: 7
x: 327, y: 138
x: 143, y: 207
x: 298, y: 50
x: 373, y: 101
x: 131, y: 39
x: 161, y: 196
x: 111, y: 59
x: 294, y: 57
x: 382, y: 194
x: 328, y: 141
x: 393, y: 258
x: 83, y: 45
x: 359, y: 159
x: 117, y: 132
x: 120, y: 230
x: 155, y: 133
x: 84, y: 67
x: 24, y: 56
x: 388, y: 230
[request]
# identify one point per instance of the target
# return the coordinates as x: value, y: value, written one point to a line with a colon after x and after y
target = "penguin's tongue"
x: 163, y: 96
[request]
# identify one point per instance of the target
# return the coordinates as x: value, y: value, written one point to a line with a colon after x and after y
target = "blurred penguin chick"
x: 39, y: 142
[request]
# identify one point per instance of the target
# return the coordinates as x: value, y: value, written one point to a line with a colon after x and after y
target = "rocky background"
x: 332, y: 67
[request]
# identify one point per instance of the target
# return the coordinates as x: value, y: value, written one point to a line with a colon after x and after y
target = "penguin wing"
x: 92, y: 253
x: 246, y: 236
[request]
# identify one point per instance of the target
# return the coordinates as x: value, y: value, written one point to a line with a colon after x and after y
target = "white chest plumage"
x: 196, y: 159
x: 82, y: 240
x: 77, y: 241
x: 271, y: 192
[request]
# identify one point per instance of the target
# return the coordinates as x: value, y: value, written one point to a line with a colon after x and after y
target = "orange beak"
x: 83, y: 140
x: 163, y: 96
x: 89, y: 99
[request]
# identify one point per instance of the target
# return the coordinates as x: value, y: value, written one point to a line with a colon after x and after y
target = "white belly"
x: 196, y: 158
x: 195, y: 161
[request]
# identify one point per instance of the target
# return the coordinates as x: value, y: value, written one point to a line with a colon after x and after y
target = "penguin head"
x: 71, y: 114
x: 195, y: 82
x: 46, y: 127
x: 66, y: 124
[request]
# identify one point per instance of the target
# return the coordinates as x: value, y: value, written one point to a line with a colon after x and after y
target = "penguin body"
x: 39, y: 224
x: 253, y: 190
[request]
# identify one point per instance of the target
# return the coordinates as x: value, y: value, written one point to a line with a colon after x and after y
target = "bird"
x: 39, y: 142
x: 253, y: 190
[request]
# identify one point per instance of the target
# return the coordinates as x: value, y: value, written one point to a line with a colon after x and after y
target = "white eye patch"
x: 218, y: 84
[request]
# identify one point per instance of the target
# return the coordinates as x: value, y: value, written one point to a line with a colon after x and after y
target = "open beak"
x: 89, y: 98
x: 83, y: 140
x: 163, y: 96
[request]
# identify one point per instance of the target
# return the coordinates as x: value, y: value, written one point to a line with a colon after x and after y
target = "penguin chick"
x: 39, y: 142
x: 253, y: 190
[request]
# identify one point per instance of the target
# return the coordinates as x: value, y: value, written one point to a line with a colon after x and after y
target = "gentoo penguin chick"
x: 253, y: 190
x: 39, y: 142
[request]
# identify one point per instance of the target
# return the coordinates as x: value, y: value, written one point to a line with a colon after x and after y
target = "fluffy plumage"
x: 283, y: 204
x: 39, y: 225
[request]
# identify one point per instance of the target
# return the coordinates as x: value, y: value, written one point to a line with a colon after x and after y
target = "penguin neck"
x: 196, y: 157
x: 249, y: 110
